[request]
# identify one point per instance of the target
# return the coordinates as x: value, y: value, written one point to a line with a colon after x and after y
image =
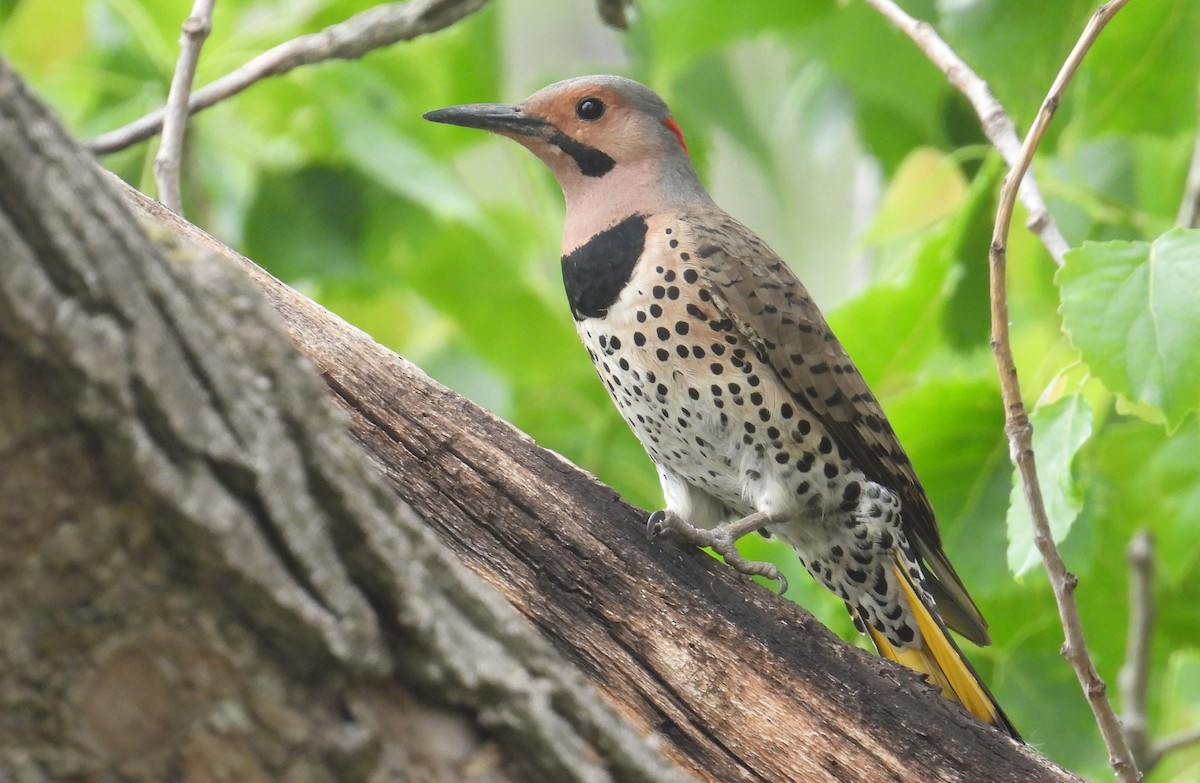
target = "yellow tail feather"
x: 940, y: 660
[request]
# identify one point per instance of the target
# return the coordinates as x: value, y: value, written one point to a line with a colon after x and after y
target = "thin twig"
x: 376, y: 27
x: 1135, y: 674
x: 997, y: 125
x: 1189, y: 207
x: 170, y: 151
x: 1020, y: 432
x: 1178, y: 741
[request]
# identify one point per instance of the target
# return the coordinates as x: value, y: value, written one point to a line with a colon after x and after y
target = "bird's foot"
x: 721, y: 540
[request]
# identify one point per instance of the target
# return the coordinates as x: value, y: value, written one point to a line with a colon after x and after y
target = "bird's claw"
x: 752, y: 567
x: 656, y: 525
x: 719, y: 540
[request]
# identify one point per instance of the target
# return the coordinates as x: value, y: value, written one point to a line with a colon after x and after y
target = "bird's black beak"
x: 502, y: 118
x: 512, y: 121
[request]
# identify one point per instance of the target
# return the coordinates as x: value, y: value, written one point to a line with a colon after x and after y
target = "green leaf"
x: 893, y: 326
x: 24, y: 34
x: 1016, y: 45
x: 1180, y: 712
x: 1135, y: 74
x: 871, y: 60
x: 1130, y: 309
x: 928, y: 186
x: 953, y: 430
x: 1117, y: 187
x: 967, y: 316
x: 675, y: 31
x: 1059, y: 430
x: 364, y: 118
x: 1183, y: 674
x: 308, y: 223
x: 491, y: 293
x: 711, y: 82
x: 1140, y: 477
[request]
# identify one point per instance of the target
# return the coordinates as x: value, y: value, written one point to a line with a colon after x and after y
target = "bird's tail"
x: 939, y: 658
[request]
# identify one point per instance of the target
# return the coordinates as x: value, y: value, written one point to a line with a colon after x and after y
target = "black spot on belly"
x: 596, y: 272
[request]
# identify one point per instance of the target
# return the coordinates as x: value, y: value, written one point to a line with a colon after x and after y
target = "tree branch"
x: 170, y: 151
x: 372, y: 29
x: 1020, y: 432
x: 1134, y: 676
x: 735, y: 683
x: 997, y: 125
x: 218, y: 584
x: 1189, y: 205
x: 1174, y: 742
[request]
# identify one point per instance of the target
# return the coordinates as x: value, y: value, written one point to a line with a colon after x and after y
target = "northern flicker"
x: 716, y: 356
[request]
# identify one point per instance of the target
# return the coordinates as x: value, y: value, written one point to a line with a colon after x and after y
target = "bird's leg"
x: 721, y: 540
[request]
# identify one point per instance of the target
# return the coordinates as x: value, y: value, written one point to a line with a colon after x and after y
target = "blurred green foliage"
x: 830, y: 134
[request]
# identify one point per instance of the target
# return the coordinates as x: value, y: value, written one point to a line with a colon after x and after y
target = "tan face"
x: 610, y: 142
x: 589, y: 114
x: 600, y: 118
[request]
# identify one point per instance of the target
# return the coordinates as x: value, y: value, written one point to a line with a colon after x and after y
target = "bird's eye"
x: 589, y: 109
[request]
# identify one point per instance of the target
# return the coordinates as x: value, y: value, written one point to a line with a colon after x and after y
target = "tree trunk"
x: 205, y: 579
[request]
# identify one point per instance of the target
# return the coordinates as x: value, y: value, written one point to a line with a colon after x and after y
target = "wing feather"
x: 753, y: 287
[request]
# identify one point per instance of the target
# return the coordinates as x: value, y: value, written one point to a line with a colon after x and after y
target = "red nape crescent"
x: 670, y: 124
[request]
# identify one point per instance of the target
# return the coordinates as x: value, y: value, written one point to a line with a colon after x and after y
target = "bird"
x: 715, y: 354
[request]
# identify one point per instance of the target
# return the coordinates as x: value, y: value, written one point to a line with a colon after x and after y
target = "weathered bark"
x: 208, y: 526
x: 203, y: 576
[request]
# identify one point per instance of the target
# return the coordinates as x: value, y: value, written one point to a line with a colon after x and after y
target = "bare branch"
x: 997, y: 125
x: 170, y: 151
x: 1189, y: 207
x: 1135, y: 673
x: 1020, y: 432
x: 372, y: 29
x: 1174, y: 742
